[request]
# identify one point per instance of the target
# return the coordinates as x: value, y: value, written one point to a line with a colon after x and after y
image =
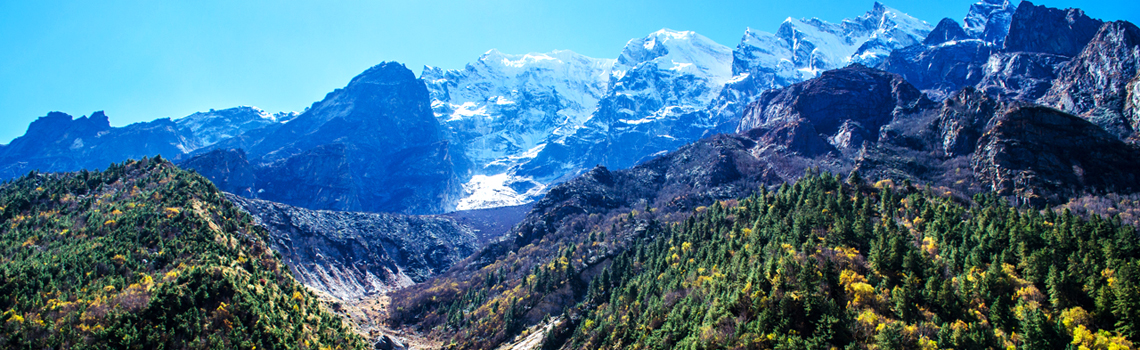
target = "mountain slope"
x: 351, y: 255
x: 821, y: 264
x: 144, y: 255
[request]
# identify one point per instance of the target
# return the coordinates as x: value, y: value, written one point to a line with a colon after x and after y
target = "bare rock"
x: 1095, y: 85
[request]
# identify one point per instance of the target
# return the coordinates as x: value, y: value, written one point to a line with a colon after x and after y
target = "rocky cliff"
x: 1040, y: 155
x: 1095, y: 84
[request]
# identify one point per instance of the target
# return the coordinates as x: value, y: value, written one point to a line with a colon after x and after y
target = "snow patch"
x: 499, y: 190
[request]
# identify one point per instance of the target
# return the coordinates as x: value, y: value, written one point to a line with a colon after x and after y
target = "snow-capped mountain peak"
x: 683, y: 51
x: 498, y: 109
x: 989, y: 20
x: 525, y: 121
x: 868, y: 39
x: 803, y: 48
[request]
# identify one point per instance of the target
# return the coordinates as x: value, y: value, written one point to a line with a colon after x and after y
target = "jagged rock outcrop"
x: 1024, y: 76
x: 946, y: 30
x: 1095, y: 84
x: 953, y: 56
x: 962, y: 120
x: 1041, y: 155
x: 1132, y: 104
x: 350, y: 254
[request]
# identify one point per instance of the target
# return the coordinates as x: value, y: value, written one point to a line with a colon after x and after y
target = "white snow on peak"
x: 500, y: 107
x: 673, y: 54
x: 989, y: 20
x: 502, y: 110
x: 802, y: 48
x: 684, y: 52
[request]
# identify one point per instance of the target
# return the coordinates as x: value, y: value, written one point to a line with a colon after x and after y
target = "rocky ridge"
x: 59, y: 142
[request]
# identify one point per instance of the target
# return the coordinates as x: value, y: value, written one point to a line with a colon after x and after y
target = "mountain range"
x: 1026, y: 104
x: 513, y: 124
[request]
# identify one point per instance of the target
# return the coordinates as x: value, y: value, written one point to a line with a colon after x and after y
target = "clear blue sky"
x: 142, y: 60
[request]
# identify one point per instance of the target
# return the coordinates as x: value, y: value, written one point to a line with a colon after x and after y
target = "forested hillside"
x: 146, y: 256
x: 822, y: 264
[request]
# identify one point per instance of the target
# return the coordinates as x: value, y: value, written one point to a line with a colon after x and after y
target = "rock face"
x: 1048, y: 30
x: 1023, y: 76
x: 989, y: 20
x: 228, y: 169
x: 1095, y: 85
x: 961, y: 122
x: 947, y: 30
x: 1132, y: 105
x: 1041, y: 155
x: 349, y: 255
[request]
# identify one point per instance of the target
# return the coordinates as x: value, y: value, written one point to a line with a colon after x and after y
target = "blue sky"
x: 142, y: 60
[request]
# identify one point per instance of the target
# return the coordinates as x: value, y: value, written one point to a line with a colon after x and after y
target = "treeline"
x: 144, y: 255
x: 827, y: 264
